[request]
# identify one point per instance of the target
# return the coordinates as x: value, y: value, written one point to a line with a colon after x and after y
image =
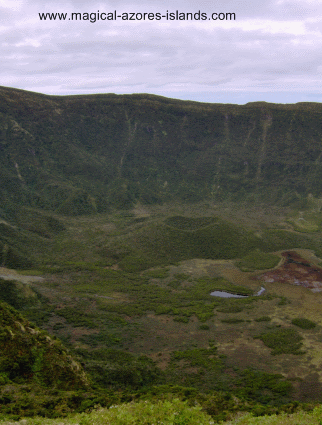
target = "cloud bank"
x: 272, y: 51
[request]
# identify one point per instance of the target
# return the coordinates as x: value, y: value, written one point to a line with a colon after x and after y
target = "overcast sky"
x: 272, y: 51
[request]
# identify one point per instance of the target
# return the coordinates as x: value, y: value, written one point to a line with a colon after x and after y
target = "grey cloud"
x: 272, y: 46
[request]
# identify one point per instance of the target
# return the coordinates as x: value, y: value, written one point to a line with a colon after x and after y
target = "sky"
x: 271, y: 51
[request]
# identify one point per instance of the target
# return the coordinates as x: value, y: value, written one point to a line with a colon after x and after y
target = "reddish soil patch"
x: 295, y: 271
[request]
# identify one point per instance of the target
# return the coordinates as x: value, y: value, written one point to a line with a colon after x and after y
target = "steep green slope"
x: 38, y: 376
x: 29, y: 355
x: 80, y: 154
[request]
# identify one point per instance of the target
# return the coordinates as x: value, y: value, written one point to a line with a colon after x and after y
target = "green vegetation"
x: 313, y: 418
x: 122, y: 325
x: 158, y: 273
x: 158, y: 244
x: 18, y: 295
x: 303, y: 323
x: 263, y: 319
x: 306, y: 221
x: 189, y: 223
x: 232, y: 308
x: 204, y: 327
x: 257, y: 260
x: 70, y: 161
x: 119, y: 370
x: 28, y: 355
x: 27, y: 232
x: 92, y: 191
x: 78, y: 318
x: 104, y: 321
x: 12, y: 251
x: 173, y: 412
x: 283, y: 341
x: 85, y: 154
x: 232, y: 320
x: 283, y: 301
x: 184, y: 319
x: 147, y: 413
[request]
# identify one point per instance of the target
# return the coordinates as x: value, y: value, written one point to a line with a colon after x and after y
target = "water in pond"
x: 224, y: 294
x: 260, y: 291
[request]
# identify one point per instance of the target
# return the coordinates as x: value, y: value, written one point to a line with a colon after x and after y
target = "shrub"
x: 77, y: 318
x: 233, y: 320
x: 174, y: 284
x: 263, y: 319
x: 182, y: 319
x: 230, y: 309
x: 161, y: 273
x: 283, y: 341
x: 173, y: 412
x: 181, y: 276
x: 136, y: 262
x: 204, y: 327
x: 283, y: 301
x: 203, y: 317
x: 258, y: 260
x: 303, y: 323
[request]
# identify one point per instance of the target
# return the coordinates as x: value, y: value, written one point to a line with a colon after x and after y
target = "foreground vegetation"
x: 173, y: 412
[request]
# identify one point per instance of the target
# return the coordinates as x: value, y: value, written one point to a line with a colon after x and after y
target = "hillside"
x: 30, y: 355
x: 82, y: 154
x: 173, y: 247
x: 76, y: 155
x: 37, y: 374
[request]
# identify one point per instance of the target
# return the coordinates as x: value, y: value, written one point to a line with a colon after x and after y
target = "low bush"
x: 282, y: 341
x: 182, y: 319
x: 258, y: 260
x: 233, y: 308
x: 263, y: 319
x: 181, y: 276
x: 266, y: 388
x: 161, y: 273
x: 204, y: 327
x: 303, y: 323
x: 77, y: 318
x: 233, y: 320
x: 174, y: 284
x: 197, y: 357
x: 283, y: 301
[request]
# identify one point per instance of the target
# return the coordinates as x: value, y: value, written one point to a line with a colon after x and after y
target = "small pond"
x: 224, y: 294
